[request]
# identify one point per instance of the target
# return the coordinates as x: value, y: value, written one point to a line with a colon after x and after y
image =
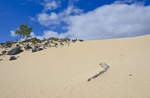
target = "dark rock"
x: 27, y: 47
x: 81, y: 40
x: 15, y: 50
x: 56, y: 45
x: 36, y: 48
x: 74, y: 41
x: 61, y: 43
x: 3, y: 52
x: 12, y: 58
x: 46, y: 44
x: 1, y: 59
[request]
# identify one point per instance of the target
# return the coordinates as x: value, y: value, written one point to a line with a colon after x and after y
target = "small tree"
x: 24, y: 31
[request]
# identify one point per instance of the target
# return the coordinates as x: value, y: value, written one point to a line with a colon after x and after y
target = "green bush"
x: 66, y: 39
x: 54, y: 39
x: 21, y: 43
x: 9, y: 43
x: 34, y: 41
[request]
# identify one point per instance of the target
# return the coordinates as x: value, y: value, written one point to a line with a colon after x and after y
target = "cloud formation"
x: 48, y: 19
x: 111, y: 21
x: 55, y: 19
x: 47, y: 34
x: 108, y: 21
x: 138, y: 2
x: 50, y: 5
x: 12, y: 33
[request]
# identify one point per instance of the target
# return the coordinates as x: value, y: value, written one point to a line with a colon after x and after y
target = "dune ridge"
x: 63, y: 72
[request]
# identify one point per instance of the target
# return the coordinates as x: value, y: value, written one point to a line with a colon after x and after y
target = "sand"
x: 63, y: 72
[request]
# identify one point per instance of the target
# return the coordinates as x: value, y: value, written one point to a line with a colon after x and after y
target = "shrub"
x: 66, y: 39
x: 34, y: 41
x: 54, y: 39
x: 24, y: 31
x: 8, y: 44
x: 21, y: 43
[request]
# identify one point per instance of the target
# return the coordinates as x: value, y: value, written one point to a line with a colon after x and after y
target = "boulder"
x: 15, y: 50
x: 81, y: 40
x: 36, y: 48
x: 74, y: 41
x: 3, y: 52
x: 27, y: 47
x: 56, y: 45
x: 47, y: 44
x: 12, y: 58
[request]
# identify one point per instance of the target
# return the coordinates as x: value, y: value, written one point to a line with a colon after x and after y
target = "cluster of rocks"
x: 35, y: 45
x: 15, y: 50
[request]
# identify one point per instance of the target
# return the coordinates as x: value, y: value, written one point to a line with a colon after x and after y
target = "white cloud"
x: 65, y: 15
x: 54, y: 19
x: 48, y: 19
x: 49, y: 33
x: 50, y: 5
x: 32, y: 18
x: 130, y: 2
x: 12, y: 33
x: 32, y: 35
x: 72, y: 10
x: 111, y: 21
x: 125, y: 1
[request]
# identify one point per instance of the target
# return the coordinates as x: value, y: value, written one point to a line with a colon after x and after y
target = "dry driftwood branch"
x: 105, y: 66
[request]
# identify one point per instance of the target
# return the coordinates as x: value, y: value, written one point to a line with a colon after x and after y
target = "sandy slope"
x: 63, y: 72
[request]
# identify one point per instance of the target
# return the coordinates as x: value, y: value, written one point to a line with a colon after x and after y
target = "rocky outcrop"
x: 34, y: 44
x: 81, y: 40
x: 12, y: 58
x: 15, y: 50
x: 27, y: 47
x: 74, y: 41
x: 3, y: 52
x: 37, y: 48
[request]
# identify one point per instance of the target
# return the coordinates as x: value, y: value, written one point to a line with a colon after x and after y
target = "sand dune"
x: 63, y: 72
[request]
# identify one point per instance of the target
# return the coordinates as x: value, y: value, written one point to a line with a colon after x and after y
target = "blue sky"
x: 84, y: 19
